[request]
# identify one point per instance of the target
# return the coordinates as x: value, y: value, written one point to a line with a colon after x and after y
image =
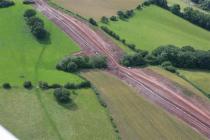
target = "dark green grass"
x: 153, y: 27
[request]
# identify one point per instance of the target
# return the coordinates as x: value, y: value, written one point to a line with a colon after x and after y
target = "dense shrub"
x: 36, y: 25
x: 28, y: 2
x: 105, y: 20
x: 6, y: 3
x: 133, y: 60
x: 76, y: 63
x: 27, y: 85
x: 93, y: 22
x: 62, y: 95
x: 29, y: 13
x: 85, y: 84
x: 125, y: 15
x: 6, y: 86
x: 43, y: 85
x: 171, y: 69
x: 186, y: 57
x: 113, y: 18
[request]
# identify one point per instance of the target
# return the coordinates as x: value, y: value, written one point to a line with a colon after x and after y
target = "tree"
x: 113, y: 18
x: 175, y: 9
x: 105, y: 20
x: 93, y: 22
x: 72, y: 67
x: 28, y: 85
x: 62, y: 95
x: 29, y: 13
x: 7, y: 86
x: 39, y: 33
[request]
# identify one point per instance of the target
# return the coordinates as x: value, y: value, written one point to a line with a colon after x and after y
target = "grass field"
x: 199, y: 78
x: 24, y: 58
x: 135, y: 117
x: 154, y: 26
x: 22, y: 113
x: 193, y: 77
x: 35, y: 114
x: 97, y: 8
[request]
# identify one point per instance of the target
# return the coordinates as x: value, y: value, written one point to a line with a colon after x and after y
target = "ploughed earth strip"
x: 196, y: 114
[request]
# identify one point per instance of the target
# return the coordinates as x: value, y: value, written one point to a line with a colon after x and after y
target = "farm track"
x: 91, y: 43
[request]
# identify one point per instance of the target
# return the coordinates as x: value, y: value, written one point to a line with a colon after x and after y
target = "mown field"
x: 153, y: 27
x: 35, y: 114
x: 135, y: 117
x: 97, y: 8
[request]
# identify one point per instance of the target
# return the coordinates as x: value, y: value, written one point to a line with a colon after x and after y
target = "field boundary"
x: 194, y: 85
x: 104, y: 105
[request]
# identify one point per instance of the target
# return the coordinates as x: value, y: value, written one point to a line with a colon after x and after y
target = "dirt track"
x: 157, y: 91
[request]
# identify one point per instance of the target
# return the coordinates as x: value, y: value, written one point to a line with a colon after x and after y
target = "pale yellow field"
x: 97, y: 8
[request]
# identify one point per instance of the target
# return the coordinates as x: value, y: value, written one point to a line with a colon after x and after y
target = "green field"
x: 187, y: 87
x: 154, y: 26
x: 198, y: 78
x: 24, y: 58
x: 97, y: 8
x: 37, y: 116
x: 135, y: 117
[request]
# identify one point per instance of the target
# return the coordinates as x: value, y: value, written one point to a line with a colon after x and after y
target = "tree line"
x: 203, y: 4
x: 6, y: 3
x: 36, y: 25
x: 170, y: 55
x: 76, y: 63
x: 194, y: 16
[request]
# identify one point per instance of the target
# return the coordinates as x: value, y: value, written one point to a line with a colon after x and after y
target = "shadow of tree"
x: 70, y: 106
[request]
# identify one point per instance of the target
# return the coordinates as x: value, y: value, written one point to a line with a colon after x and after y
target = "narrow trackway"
x: 91, y: 43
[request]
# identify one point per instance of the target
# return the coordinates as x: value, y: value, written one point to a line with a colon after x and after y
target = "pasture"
x: 35, y: 115
x: 24, y: 58
x: 153, y: 27
x: 135, y: 117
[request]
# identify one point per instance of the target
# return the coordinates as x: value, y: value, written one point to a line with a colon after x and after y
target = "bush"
x: 28, y: 2
x: 171, y: 69
x: 93, y: 22
x: 113, y: 18
x: 36, y: 24
x: 166, y: 64
x: 29, y: 13
x: 133, y: 60
x: 28, y: 85
x: 6, y: 3
x: 44, y: 85
x: 76, y: 63
x: 62, y: 95
x: 54, y: 86
x: 6, y: 86
x: 105, y: 20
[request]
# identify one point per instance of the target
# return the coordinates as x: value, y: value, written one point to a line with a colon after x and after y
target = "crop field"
x: 97, y: 8
x: 135, y: 117
x: 199, y: 78
x: 153, y: 27
x: 22, y: 113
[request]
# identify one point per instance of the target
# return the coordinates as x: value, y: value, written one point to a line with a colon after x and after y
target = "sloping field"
x: 135, y: 117
x: 154, y: 26
x: 199, y: 78
x: 97, y: 8
x: 23, y: 57
x: 22, y: 113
